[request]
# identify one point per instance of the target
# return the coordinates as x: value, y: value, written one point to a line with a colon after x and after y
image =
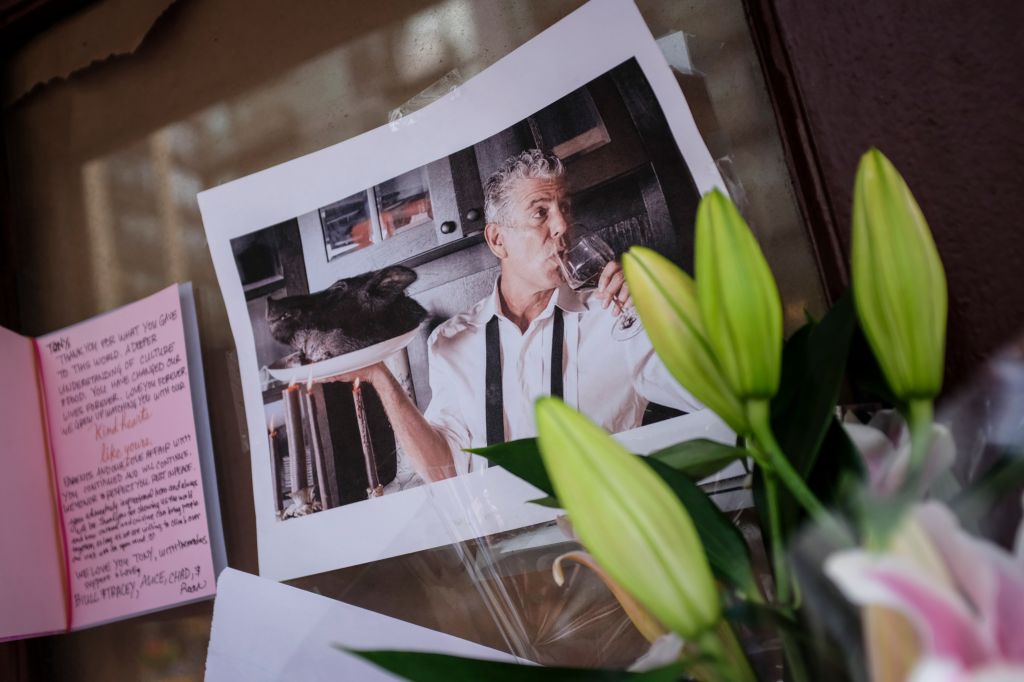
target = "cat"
x: 351, y: 314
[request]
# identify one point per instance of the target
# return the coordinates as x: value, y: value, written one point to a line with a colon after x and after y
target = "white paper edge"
x: 263, y: 630
x: 204, y: 438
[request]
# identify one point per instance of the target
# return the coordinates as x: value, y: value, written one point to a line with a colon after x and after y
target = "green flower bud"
x: 666, y: 300
x: 739, y: 300
x: 899, y: 286
x: 629, y: 519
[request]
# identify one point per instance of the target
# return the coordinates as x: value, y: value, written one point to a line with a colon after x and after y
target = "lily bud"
x: 899, y: 286
x: 666, y: 299
x: 629, y: 519
x: 739, y: 300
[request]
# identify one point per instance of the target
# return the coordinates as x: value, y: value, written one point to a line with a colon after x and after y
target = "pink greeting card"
x: 115, y: 509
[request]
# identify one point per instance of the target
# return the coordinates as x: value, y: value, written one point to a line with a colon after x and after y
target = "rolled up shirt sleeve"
x: 445, y: 412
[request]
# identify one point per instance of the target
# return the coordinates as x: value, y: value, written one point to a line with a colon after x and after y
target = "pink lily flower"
x: 963, y: 596
x: 884, y: 445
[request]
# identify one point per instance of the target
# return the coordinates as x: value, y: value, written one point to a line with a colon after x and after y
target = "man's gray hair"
x: 530, y: 164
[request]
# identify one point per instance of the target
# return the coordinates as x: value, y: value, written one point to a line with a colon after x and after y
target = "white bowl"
x: 341, y: 364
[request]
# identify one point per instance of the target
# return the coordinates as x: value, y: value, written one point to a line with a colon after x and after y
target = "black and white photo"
x: 397, y: 323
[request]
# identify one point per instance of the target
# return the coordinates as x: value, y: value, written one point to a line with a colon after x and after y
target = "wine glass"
x: 582, y: 263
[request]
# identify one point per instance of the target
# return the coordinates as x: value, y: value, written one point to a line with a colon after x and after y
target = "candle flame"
x: 273, y: 423
x: 355, y: 384
x: 309, y: 381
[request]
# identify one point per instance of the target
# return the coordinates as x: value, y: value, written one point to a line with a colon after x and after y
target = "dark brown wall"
x: 939, y: 88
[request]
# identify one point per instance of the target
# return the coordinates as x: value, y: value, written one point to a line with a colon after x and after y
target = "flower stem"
x: 919, y: 415
x: 919, y: 420
x: 730, y: 663
x: 758, y: 417
x: 794, y: 658
x: 778, y: 550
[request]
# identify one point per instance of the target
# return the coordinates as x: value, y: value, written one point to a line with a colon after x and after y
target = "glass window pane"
x: 347, y: 226
x: 571, y: 126
x: 404, y: 202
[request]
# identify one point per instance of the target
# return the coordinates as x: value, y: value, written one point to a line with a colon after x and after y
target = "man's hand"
x: 612, y: 288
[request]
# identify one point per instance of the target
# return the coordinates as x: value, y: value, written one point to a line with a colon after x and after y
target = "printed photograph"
x: 399, y: 326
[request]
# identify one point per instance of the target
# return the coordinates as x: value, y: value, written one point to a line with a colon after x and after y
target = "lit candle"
x: 296, y: 442
x: 275, y: 462
x: 316, y: 449
x: 374, y: 489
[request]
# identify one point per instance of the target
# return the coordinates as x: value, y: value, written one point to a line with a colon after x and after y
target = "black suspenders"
x: 493, y: 402
x: 493, y: 399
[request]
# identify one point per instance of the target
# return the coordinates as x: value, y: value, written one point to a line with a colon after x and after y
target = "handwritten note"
x: 126, y: 461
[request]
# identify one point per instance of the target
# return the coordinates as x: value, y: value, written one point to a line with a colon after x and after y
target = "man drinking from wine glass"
x: 533, y: 335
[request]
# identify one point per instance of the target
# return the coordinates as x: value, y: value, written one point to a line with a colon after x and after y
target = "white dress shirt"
x: 608, y: 380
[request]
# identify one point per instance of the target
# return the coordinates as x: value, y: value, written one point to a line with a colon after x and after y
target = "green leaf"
x: 839, y: 471
x: 430, y: 667
x: 803, y: 411
x: 547, y: 502
x: 813, y: 365
x: 698, y: 458
x: 793, y: 368
x: 522, y: 458
x: 761, y: 617
x: 724, y: 544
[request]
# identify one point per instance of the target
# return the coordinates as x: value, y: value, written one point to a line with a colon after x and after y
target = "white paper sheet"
x: 265, y: 631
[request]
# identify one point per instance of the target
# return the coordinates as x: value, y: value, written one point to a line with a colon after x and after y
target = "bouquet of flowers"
x: 930, y: 601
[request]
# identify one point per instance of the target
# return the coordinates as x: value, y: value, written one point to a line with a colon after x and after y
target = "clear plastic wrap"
x: 579, y: 622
